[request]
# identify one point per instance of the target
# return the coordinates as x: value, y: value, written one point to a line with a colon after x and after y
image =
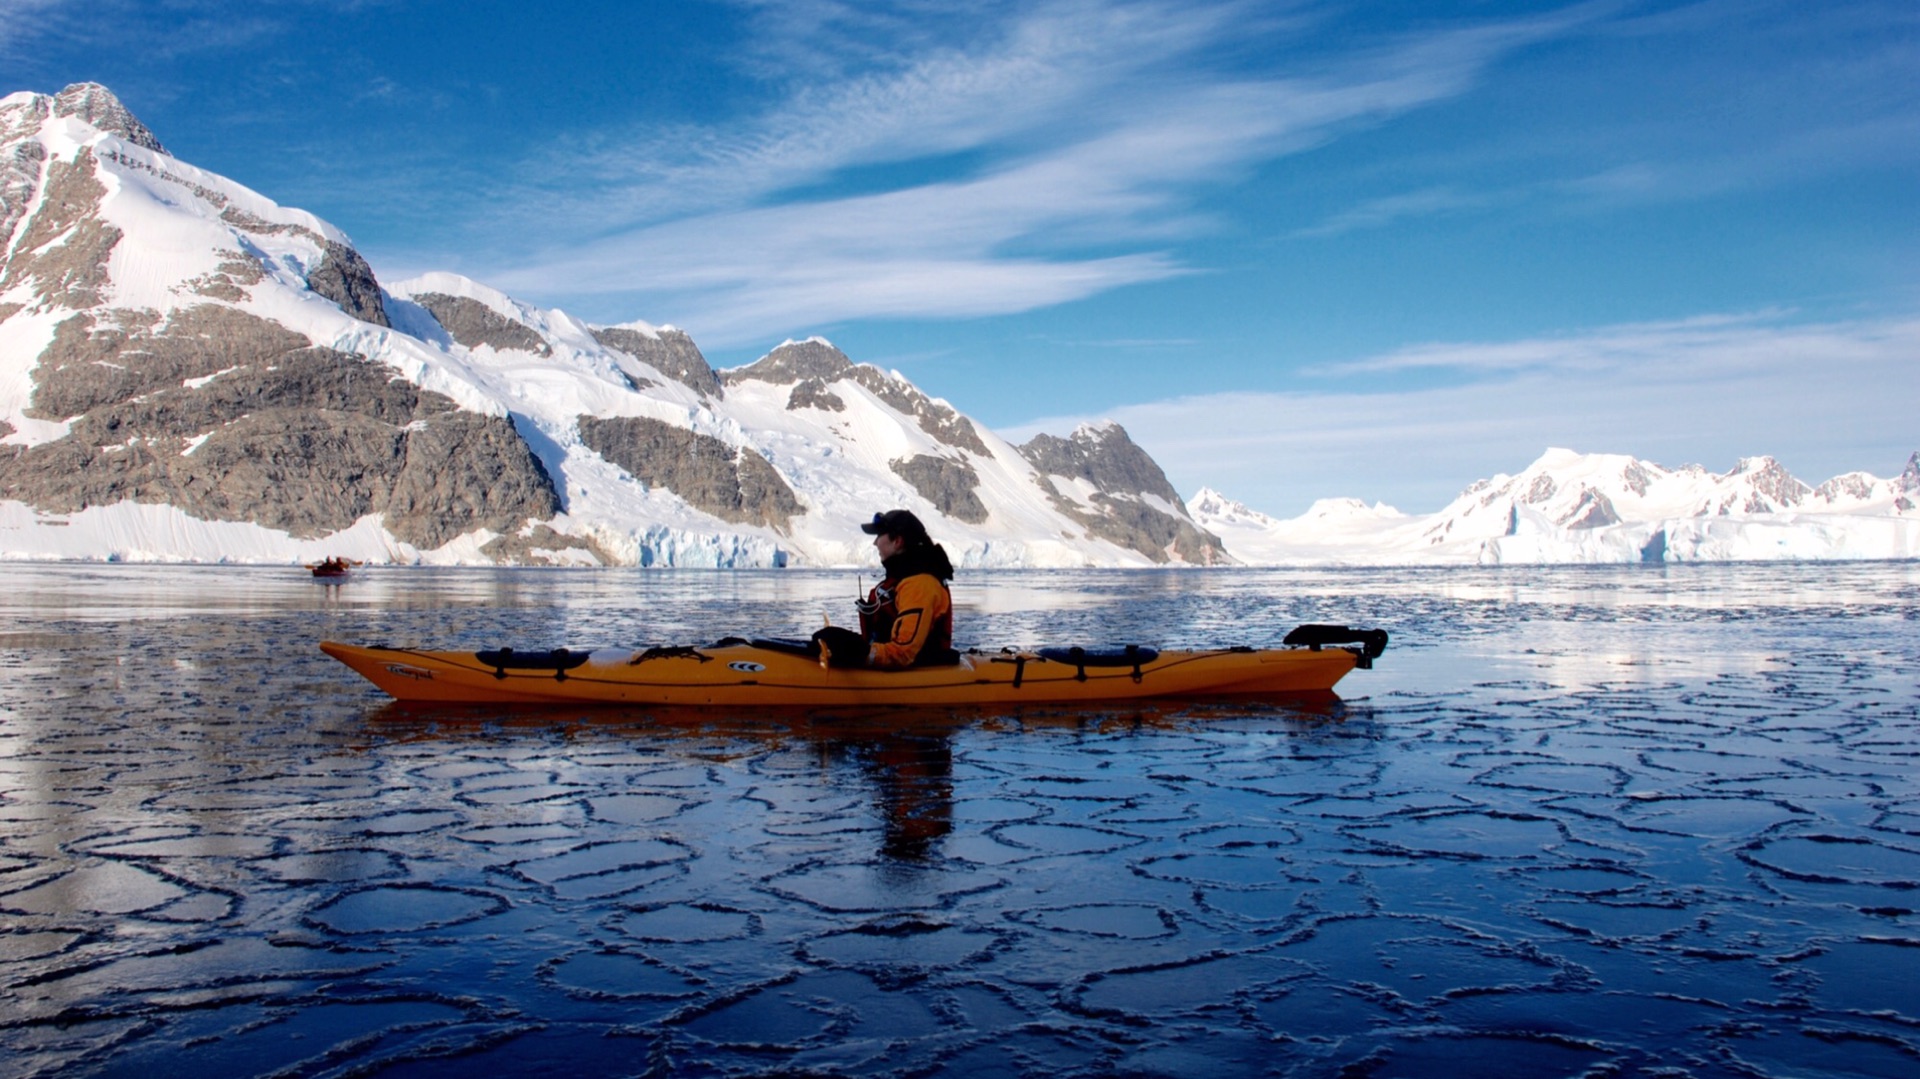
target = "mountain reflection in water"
x: 1621, y: 821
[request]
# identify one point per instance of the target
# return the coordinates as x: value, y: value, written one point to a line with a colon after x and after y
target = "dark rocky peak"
x: 951, y: 484
x: 668, y: 351
x: 733, y: 483
x: 473, y: 324
x: 94, y: 104
x: 1122, y: 473
x: 794, y: 361
x: 345, y: 278
x: 1103, y: 455
x: 1910, y: 479
x: 812, y: 365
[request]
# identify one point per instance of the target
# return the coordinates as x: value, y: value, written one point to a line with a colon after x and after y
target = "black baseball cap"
x: 897, y: 523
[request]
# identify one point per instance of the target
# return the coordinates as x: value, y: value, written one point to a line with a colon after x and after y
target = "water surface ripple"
x: 1630, y: 821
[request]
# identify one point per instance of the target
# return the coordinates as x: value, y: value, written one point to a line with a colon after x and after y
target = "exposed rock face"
x: 538, y: 547
x: 73, y: 272
x: 819, y: 362
x: 237, y: 271
x: 1123, y: 476
x: 1103, y: 456
x: 1772, y: 487
x: 1852, y: 486
x: 230, y: 417
x: 19, y: 171
x: 346, y: 279
x: 1908, y: 485
x: 1591, y: 509
x: 943, y: 423
x: 24, y: 116
x: 464, y: 471
x: 1594, y: 510
x: 669, y: 351
x: 733, y: 484
x: 96, y: 105
x: 117, y: 355
x: 794, y: 361
x: 1903, y: 489
x: 246, y: 222
x: 947, y: 483
x: 1637, y: 478
x: 473, y: 324
x: 813, y: 393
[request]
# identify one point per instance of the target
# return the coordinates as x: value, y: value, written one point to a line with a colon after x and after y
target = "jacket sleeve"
x: 920, y: 601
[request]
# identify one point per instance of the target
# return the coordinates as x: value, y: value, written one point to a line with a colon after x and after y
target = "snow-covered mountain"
x: 191, y: 371
x: 1573, y: 507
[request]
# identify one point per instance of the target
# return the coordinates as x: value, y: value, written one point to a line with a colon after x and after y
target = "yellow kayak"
x: 737, y: 672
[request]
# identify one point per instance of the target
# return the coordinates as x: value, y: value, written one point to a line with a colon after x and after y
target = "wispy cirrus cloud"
x: 158, y: 32
x: 1716, y: 98
x: 1391, y: 209
x: 1711, y: 344
x: 1037, y: 79
x: 23, y: 20
x: 1059, y: 156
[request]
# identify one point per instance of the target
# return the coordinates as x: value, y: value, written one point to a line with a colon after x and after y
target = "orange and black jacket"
x: 908, y: 617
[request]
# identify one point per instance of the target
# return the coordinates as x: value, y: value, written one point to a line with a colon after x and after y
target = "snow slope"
x: 1570, y: 507
x: 178, y: 240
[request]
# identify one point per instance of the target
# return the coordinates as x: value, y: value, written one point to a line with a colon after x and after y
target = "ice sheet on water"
x: 1626, y: 820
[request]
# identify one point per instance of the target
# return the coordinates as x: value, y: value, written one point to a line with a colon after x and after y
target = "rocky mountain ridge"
x: 178, y: 353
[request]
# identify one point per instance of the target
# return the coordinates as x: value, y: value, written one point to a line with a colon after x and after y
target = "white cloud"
x: 1705, y: 391
x: 1094, y: 127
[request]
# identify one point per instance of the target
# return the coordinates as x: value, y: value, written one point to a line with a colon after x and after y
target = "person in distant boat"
x: 907, y: 620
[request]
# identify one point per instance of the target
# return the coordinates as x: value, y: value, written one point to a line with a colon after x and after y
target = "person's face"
x: 888, y: 546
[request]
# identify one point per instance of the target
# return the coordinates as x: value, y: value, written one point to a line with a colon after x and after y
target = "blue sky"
x: 1299, y: 249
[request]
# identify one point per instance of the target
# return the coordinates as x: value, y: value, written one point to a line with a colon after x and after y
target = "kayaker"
x: 907, y: 619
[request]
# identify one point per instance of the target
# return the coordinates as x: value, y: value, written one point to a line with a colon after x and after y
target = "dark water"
x: 1615, y: 822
